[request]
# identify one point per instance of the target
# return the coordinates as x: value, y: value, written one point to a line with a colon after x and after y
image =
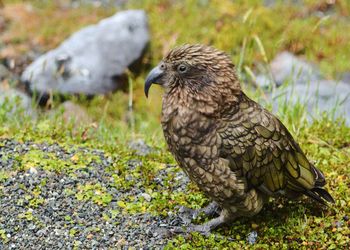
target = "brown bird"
x: 237, y: 152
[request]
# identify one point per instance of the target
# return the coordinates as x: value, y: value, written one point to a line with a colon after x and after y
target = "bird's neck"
x: 184, y: 98
x: 208, y: 103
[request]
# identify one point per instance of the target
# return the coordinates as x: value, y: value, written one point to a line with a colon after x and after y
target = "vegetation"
x: 249, y: 31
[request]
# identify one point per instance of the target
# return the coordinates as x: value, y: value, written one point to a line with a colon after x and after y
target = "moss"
x: 3, y: 236
x: 4, y: 175
x: 94, y: 192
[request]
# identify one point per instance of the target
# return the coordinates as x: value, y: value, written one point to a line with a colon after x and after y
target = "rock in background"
x: 4, y: 73
x: 93, y: 60
x: 99, y: 2
x: 15, y: 100
x: 300, y: 81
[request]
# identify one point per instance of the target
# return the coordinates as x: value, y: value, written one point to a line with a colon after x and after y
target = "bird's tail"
x: 318, y: 193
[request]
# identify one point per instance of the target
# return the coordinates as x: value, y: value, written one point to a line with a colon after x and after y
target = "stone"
x: 4, y: 72
x: 288, y: 67
x: 73, y: 112
x: 264, y: 81
x: 276, y: 3
x: 252, y: 237
x: 93, y: 60
x: 140, y: 147
x: 346, y: 77
x: 33, y: 171
x: 298, y: 81
x: 146, y: 196
x: 318, y: 96
x: 15, y: 100
x: 98, y: 3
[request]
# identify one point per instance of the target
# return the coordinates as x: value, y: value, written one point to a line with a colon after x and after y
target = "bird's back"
x: 262, y: 151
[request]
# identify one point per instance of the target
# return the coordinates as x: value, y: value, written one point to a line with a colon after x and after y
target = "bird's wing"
x: 261, y: 149
x: 192, y: 138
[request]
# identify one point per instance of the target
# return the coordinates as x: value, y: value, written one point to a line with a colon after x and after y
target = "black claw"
x: 202, y: 229
x: 177, y: 230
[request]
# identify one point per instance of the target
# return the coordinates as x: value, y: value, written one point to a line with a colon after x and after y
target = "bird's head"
x: 195, y: 69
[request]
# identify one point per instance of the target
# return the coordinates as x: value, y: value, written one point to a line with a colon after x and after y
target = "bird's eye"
x: 182, y: 68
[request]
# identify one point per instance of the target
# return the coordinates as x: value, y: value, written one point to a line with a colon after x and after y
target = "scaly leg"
x: 249, y: 206
x: 188, y: 214
x: 207, y: 227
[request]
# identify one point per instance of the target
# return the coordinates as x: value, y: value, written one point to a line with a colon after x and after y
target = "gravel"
x: 39, y: 208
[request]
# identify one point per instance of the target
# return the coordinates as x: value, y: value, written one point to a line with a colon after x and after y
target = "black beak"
x: 153, y: 77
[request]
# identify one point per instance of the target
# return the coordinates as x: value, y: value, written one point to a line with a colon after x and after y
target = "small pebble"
x: 339, y: 224
x: 33, y: 171
x: 146, y: 196
x: 252, y: 237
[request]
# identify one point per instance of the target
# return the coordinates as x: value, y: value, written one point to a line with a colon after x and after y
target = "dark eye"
x: 162, y: 66
x: 182, y: 68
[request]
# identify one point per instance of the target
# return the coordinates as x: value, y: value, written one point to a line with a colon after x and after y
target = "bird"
x: 237, y: 152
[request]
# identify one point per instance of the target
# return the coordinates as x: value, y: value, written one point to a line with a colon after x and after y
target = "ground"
x: 84, y: 187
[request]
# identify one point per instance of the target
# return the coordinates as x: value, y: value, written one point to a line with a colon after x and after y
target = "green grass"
x: 281, y: 224
x: 252, y: 34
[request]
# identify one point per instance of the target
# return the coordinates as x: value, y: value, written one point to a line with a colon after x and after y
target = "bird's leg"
x: 207, y: 227
x: 188, y: 214
x: 249, y: 206
x: 212, y: 209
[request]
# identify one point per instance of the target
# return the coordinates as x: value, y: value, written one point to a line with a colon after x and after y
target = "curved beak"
x: 153, y: 77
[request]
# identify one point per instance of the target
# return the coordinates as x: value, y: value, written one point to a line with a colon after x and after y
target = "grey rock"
x: 4, y: 72
x: 146, y: 196
x: 252, y: 237
x: 72, y: 112
x: 140, y: 147
x: 33, y: 171
x: 273, y: 3
x: 98, y: 3
x: 288, y: 67
x: 15, y: 100
x: 264, y: 81
x: 346, y: 77
x: 93, y: 59
x: 318, y: 96
x: 301, y: 82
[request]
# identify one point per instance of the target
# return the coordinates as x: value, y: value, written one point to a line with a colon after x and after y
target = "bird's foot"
x: 205, y: 228
x: 188, y: 214
x: 202, y: 229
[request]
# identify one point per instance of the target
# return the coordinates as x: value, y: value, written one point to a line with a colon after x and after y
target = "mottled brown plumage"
x: 237, y: 152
